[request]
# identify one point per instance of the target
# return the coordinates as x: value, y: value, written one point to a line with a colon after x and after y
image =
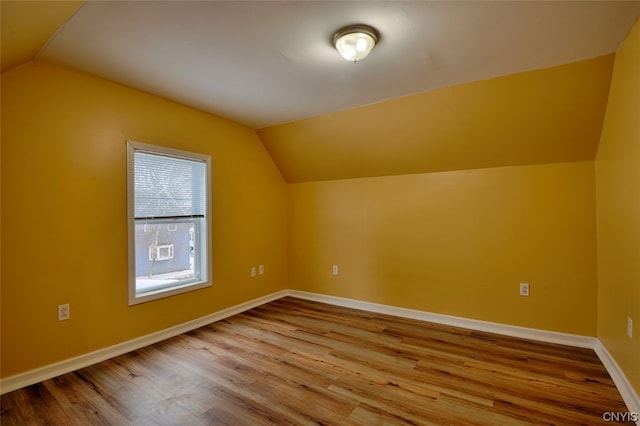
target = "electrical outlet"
x: 335, y: 269
x: 253, y: 271
x: 629, y: 327
x: 524, y: 289
x: 261, y: 269
x: 63, y: 312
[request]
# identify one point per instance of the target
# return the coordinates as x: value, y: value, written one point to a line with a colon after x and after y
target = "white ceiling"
x: 262, y: 63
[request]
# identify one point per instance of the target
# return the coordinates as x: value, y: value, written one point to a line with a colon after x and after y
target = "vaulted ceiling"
x: 543, y: 116
x: 451, y: 85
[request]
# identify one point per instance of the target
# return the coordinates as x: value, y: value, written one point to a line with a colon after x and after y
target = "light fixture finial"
x: 355, y: 42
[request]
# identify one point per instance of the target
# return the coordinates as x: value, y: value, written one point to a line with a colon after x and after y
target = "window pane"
x: 168, y: 253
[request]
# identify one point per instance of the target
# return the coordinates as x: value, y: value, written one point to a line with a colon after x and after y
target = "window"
x: 164, y: 252
x: 169, y: 221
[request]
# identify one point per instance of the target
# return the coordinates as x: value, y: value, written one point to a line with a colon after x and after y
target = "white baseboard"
x: 53, y: 370
x: 627, y: 391
x: 491, y: 327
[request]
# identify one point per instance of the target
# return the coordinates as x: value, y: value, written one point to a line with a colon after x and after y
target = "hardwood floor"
x: 293, y: 361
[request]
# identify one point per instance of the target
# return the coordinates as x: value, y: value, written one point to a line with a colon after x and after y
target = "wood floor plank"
x: 299, y: 362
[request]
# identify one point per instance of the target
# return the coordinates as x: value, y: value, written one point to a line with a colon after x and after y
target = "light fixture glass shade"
x: 354, y: 43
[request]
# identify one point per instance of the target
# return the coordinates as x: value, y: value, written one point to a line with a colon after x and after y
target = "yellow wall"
x: 456, y: 243
x: 618, y: 212
x: 25, y: 26
x: 64, y: 229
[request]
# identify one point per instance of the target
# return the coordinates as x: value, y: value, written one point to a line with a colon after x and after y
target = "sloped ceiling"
x: 452, y: 85
x: 27, y: 25
x: 543, y: 116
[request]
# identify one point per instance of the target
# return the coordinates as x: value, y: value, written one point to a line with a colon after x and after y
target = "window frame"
x: 206, y: 249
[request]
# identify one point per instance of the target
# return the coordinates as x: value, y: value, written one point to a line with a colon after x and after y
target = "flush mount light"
x: 355, y: 41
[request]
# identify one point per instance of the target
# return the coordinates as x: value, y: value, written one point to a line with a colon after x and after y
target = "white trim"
x: 625, y: 388
x: 53, y: 370
x: 491, y: 327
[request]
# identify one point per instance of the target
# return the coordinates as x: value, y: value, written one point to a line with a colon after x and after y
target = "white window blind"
x: 168, y: 187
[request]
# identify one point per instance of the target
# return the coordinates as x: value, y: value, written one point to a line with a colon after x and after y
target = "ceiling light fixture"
x: 355, y: 41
